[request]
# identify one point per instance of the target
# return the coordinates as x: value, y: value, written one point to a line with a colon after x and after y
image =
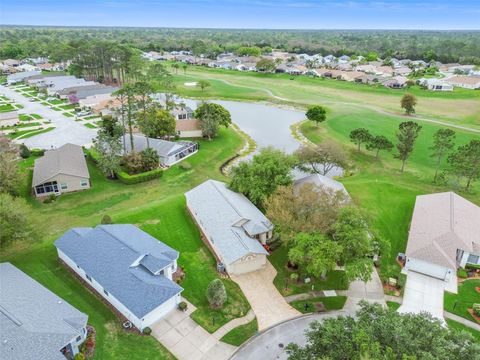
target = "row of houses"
x: 11, y: 66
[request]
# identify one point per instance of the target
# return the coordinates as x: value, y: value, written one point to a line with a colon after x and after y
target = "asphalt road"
x: 67, y: 130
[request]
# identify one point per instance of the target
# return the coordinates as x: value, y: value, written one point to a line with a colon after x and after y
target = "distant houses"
x: 60, y: 171
x: 128, y: 268
x: 34, y: 322
x: 232, y: 227
x: 444, y: 236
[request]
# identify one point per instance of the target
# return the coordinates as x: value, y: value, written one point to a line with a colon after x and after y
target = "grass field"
x: 466, y: 297
x: 460, y: 106
x: 240, y: 334
x: 330, y: 303
x: 156, y: 207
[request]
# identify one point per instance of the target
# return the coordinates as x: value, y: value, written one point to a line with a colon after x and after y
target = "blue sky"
x: 270, y: 14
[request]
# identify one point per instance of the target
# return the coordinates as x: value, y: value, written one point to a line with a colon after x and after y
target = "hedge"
x: 125, y: 178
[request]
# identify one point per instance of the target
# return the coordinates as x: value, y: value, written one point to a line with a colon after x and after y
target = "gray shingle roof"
x: 107, y: 254
x: 321, y: 181
x: 164, y: 148
x: 67, y: 159
x: 34, y: 322
x: 227, y: 217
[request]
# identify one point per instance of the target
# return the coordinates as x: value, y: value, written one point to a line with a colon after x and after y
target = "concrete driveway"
x: 371, y: 291
x: 267, y: 303
x: 67, y: 130
x: 271, y: 343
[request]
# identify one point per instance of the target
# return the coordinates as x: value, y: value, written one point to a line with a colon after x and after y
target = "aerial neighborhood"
x: 215, y: 194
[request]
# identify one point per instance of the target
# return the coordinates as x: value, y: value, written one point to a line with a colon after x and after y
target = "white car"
x: 83, y: 113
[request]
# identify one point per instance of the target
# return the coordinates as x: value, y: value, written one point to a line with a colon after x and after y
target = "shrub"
x: 133, y: 163
x: 150, y: 159
x: 106, y: 219
x: 24, y: 151
x: 462, y: 273
x: 294, y: 277
x: 216, y: 294
x: 37, y: 152
x: 476, y: 309
x: 50, y: 199
x: 182, y: 306
x: 128, y: 179
x: 147, y: 331
x: 185, y: 165
x: 79, y: 356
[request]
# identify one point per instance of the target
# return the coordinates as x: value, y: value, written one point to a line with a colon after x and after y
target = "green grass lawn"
x: 240, y: 334
x: 56, y: 102
x: 456, y: 326
x: 466, y: 297
x: 393, y: 305
x: 24, y: 117
x: 21, y: 125
x: 90, y: 126
x: 36, y: 116
x: 24, y: 134
x: 6, y: 108
x: 335, y: 279
x: 158, y: 207
x: 68, y: 106
x: 330, y: 303
x: 377, y: 186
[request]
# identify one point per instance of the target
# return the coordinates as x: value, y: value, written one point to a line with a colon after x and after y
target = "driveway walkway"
x: 187, y: 340
x: 271, y: 343
x: 268, y: 304
x: 67, y: 130
x: 371, y: 291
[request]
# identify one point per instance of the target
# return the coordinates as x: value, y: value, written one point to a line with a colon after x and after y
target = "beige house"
x: 467, y: 82
x: 232, y: 227
x: 60, y: 171
x: 188, y: 128
x: 9, y: 118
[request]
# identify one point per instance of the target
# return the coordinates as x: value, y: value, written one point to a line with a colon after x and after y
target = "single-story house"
x: 467, y: 82
x: 320, y: 181
x: 182, y: 113
x: 367, y: 79
x: 188, y: 128
x: 60, y: 171
x: 234, y: 228
x: 8, y: 118
x: 34, y: 322
x: 170, y: 152
x: 396, y: 82
x: 436, y: 85
x: 130, y: 269
x: 21, y: 76
x: 444, y: 236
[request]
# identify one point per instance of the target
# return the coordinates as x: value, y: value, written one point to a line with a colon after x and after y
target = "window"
x: 105, y: 292
x: 83, y: 182
x: 88, y: 278
x: 64, y: 186
x: 473, y: 259
x: 47, y: 187
x: 79, y: 338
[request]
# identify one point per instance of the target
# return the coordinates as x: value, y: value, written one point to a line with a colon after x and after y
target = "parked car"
x: 83, y: 113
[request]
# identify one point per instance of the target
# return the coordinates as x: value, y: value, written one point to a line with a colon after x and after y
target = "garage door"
x: 423, y: 293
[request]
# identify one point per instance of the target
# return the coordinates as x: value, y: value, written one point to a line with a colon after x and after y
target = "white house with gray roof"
x: 444, y: 236
x: 60, y: 171
x: 130, y: 269
x: 233, y: 227
x: 34, y: 322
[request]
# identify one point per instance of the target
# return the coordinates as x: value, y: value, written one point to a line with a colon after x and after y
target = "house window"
x: 47, y: 187
x: 83, y: 182
x: 79, y: 338
x: 473, y: 259
x: 88, y: 278
x: 105, y: 292
x: 64, y: 186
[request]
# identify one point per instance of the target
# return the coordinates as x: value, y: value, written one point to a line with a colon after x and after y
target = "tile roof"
x: 34, y: 322
x: 187, y: 125
x: 125, y: 261
x: 441, y: 224
x: 229, y: 218
x: 67, y: 159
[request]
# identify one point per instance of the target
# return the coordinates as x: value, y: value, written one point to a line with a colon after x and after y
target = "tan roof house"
x: 188, y: 128
x: 467, y: 82
x: 444, y: 236
x: 60, y: 171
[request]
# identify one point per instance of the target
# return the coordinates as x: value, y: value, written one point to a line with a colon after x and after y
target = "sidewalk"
x: 371, y: 291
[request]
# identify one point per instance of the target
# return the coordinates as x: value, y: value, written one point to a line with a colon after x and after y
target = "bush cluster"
x: 128, y: 179
x: 137, y: 162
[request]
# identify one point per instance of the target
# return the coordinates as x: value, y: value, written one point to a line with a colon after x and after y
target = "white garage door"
x: 423, y: 293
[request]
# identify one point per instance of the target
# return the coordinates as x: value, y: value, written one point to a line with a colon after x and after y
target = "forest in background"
x: 62, y: 43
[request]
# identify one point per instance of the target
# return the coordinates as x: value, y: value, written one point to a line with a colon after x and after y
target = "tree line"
x: 452, y: 46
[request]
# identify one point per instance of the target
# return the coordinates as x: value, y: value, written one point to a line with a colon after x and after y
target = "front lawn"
x: 330, y: 303
x: 240, y: 334
x: 6, y: 108
x: 335, y: 279
x: 456, y: 326
x: 466, y: 297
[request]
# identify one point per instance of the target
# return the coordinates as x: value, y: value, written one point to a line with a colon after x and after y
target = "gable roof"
x: 67, y: 159
x: 164, y: 148
x: 229, y: 218
x: 441, y: 224
x: 321, y: 181
x: 125, y: 261
x: 34, y: 322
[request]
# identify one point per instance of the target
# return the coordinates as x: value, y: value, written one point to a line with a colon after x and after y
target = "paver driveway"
x: 268, y: 304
